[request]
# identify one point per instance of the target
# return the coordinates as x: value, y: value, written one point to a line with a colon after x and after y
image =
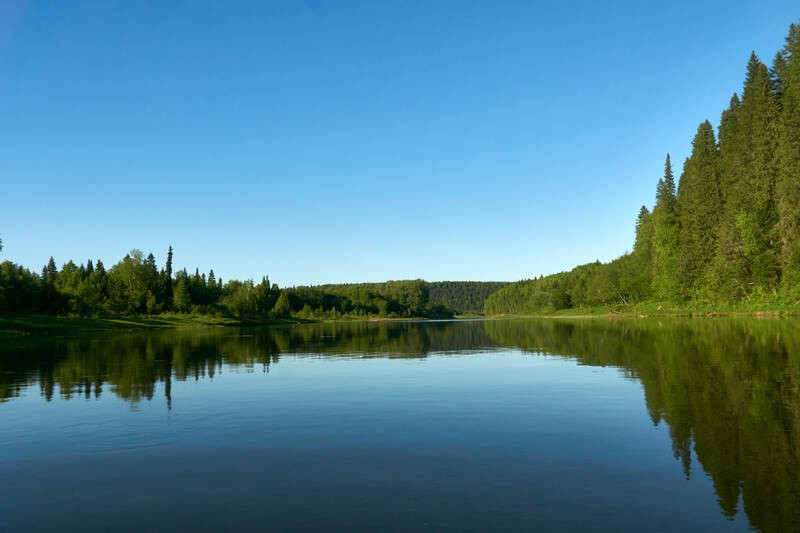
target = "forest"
x: 727, y: 234
x: 136, y: 286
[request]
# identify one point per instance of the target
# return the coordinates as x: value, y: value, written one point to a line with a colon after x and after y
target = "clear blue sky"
x: 338, y: 141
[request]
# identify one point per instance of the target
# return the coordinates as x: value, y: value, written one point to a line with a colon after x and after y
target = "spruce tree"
x: 665, y: 237
x: 756, y: 222
x: 747, y: 258
x: 641, y: 264
x: 166, y: 282
x: 183, y: 301
x: 789, y: 165
x: 700, y: 206
x: 50, y: 271
x: 727, y: 272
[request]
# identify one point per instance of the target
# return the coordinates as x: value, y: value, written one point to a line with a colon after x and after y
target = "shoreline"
x: 47, y: 325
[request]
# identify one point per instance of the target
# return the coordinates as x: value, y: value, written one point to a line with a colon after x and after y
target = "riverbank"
x: 11, y: 326
x: 60, y: 325
x: 14, y: 326
x: 671, y: 309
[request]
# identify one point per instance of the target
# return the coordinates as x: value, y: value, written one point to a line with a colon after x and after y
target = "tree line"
x: 137, y: 286
x: 728, y: 232
x: 463, y: 297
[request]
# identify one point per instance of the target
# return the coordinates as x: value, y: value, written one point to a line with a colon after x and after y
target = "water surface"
x: 557, y: 425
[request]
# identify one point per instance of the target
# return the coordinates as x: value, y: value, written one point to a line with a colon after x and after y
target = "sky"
x: 343, y: 141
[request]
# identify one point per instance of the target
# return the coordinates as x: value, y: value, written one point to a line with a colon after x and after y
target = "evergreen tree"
x: 700, y: 206
x: 756, y: 223
x: 283, y: 306
x: 777, y: 73
x: 166, y: 281
x: 182, y: 301
x: 727, y: 273
x: 789, y: 165
x: 747, y: 257
x: 665, y: 237
x: 50, y: 271
x: 640, y: 269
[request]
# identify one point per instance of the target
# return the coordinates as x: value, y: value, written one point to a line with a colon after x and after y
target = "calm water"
x: 488, y: 425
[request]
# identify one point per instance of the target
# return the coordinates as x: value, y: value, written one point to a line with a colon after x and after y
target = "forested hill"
x: 434, y: 299
x: 463, y: 297
x: 728, y: 233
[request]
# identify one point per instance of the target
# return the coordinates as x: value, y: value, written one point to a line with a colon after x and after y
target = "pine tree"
x: 182, y: 301
x: 282, y: 307
x: 50, y: 271
x: 776, y: 73
x: 789, y: 165
x: 700, y: 206
x: 665, y: 237
x: 747, y: 258
x: 727, y: 272
x: 166, y: 281
x: 641, y: 264
x: 756, y: 223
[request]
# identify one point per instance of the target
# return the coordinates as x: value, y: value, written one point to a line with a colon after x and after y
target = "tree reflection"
x: 727, y: 389
x: 132, y: 365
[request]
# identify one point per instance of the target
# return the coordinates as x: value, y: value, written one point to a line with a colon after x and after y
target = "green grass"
x: 665, y: 309
x: 61, y: 325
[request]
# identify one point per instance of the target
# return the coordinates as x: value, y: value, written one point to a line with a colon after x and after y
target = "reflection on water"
x: 728, y: 390
x: 132, y: 364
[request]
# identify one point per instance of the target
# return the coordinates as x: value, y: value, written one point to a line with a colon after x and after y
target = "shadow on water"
x: 728, y: 389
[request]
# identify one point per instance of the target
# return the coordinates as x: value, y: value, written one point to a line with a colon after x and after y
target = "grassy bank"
x: 60, y: 325
x: 667, y: 309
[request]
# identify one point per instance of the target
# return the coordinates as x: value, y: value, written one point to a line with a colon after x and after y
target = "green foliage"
x: 135, y: 287
x: 788, y: 156
x: 462, y: 297
x: 700, y: 206
x: 665, y: 237
x: 392, y: 299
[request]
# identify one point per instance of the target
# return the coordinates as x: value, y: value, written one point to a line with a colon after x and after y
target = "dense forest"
x: 462, y: 297
x: 728, y: 233
x: 137, y: 286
